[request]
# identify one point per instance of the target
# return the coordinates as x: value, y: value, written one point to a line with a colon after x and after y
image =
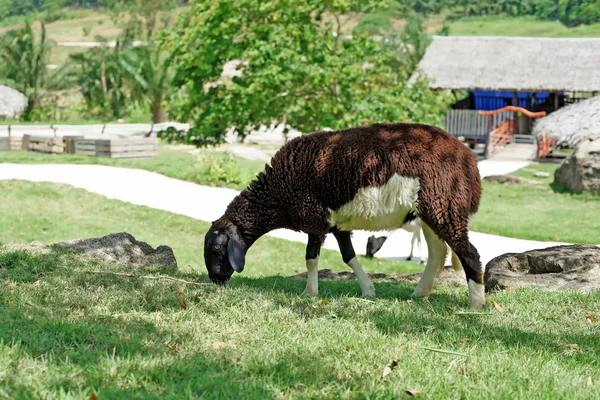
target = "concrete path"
x: 207, y: 203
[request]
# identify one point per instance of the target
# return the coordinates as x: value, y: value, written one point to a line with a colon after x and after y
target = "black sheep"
x: 374, y: 178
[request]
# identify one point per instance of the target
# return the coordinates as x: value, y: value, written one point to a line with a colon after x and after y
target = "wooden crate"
x: 43, y: 144
x: 118, y: 148
x: 16, y: 143
x: 4, y: 143
x: 70, y: 143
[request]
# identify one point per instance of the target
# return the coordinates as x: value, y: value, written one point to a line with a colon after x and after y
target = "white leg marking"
x: 412, y: 245
x: 312, y: 280
x: 366, y: 286
x: 437, y: 256
x: 476, y: 294
x: 419, y: 243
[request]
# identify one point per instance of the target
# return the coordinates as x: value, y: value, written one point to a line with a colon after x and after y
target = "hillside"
x: 86, y: 26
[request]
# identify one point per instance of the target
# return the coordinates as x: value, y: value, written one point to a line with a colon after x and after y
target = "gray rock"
x: 572, y: 267
x: 511, y: 180
x: 123, y: 248
x: 12, y: 102
x: 580, y: 171
x: 541, y: 175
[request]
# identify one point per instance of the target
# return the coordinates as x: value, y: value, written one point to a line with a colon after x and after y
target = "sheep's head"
x: 224, y: 252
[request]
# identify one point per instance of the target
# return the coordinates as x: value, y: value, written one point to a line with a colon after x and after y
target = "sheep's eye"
x: 217, y: 247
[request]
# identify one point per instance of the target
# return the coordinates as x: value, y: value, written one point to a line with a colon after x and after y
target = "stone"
x: 123, y: 248
x: 511, y: 180
x: 567, y: 267
x: 580, y: 171
x: 448, y: 275
x: 540, y: 174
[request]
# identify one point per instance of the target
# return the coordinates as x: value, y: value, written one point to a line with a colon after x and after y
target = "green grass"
x: 48, y: 213
x: 538, y: 212
x: 525, y: 26
x: 65, y: 332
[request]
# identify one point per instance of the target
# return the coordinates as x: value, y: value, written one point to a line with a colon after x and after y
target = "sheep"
x: 374, y: 178
x: 374, y: 243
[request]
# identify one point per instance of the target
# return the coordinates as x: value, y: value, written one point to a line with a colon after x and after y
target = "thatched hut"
x: 569, y: 125
x: 537, y: 74
x: 12, y: 102
x: 513, y: 64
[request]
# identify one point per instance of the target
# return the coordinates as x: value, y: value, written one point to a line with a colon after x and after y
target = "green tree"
x: 143, y: 16
x: 100, y: 74
x: 25, y: 63
x: 148, y: 76
x: 297, y: 69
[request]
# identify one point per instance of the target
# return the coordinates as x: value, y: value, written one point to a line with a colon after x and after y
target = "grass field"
x: 534, y: 212
x: 47, y: 213
x: 498, y: 26
x: 66, y: 333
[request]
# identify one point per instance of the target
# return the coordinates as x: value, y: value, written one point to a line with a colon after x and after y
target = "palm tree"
x: 25, y: 63
x: 148, y: 75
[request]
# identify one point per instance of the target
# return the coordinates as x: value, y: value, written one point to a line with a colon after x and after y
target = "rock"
x: 541, y: 174
x: 580, y: 171
x: 571, y: 267
x: 511, y: 180
x: 448, y: 275
x: 123, y: 248
x: 12, y: 102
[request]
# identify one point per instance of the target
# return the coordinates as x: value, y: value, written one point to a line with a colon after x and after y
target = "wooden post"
x: 515, y: 117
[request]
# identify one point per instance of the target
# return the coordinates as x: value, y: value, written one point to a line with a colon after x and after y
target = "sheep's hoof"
x: 369, y: 294
x: 419, y: 294
x: 409, y: 258
x: 369, y: 291
x: 422, y: 262
x: 311, y: 292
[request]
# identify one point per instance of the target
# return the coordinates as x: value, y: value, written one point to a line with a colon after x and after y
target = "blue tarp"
x: 493, y: 100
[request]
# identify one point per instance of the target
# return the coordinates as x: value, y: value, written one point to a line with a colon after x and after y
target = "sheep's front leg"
x: 313, y: 249
x: 349, y: 257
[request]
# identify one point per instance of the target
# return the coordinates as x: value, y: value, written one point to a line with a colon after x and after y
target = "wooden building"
x: 485, y: 73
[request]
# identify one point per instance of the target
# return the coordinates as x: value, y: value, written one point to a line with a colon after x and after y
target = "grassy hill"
x: 84, y: 26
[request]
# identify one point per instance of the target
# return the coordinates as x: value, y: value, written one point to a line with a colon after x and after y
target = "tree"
x: 100, y: 74
x: 148, y: 76
x: 25, y: 62
x: 297, y: 69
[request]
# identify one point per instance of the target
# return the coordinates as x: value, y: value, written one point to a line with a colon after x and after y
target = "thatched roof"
x: 512, y: 63
x: 571, y: 124
x: 12, y: 102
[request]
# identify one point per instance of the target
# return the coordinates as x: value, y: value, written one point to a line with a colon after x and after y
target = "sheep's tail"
x: 456, y: 264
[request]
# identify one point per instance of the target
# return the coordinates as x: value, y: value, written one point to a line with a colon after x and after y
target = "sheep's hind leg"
x: 313, y: 249
x: 349, y: 257
x: 435, y: 260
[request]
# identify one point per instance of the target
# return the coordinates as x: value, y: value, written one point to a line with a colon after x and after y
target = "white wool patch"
x: 378, y: 208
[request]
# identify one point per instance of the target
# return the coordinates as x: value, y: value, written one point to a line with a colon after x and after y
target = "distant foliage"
x: 298, y: 69
x: 569, y: 12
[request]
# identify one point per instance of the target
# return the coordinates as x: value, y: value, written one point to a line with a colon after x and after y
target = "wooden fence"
x: 469, y: 124
x: 117, y: 148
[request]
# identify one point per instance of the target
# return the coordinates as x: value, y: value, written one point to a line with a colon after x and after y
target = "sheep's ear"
x: 236, y: 253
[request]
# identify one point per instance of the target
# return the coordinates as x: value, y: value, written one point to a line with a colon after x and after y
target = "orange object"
x: 546, y: 144
x: 516, y: 109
